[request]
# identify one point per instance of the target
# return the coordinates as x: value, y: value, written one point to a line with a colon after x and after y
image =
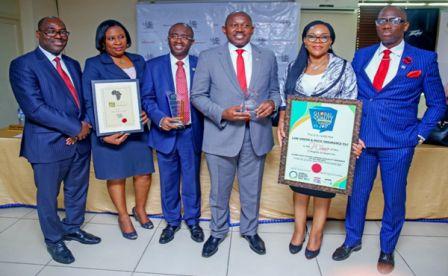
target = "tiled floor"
x: 422, y: 250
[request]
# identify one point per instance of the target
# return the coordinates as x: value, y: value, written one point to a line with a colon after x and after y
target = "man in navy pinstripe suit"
x: 391, y: 77
x: 47, y: 86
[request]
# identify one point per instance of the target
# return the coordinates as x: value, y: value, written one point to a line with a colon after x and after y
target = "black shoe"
x: 386, y: 258
x: 127, y: 235
x: 168, y: 234
x: 196, y: 232
x: 146, y: 225
x: 82, y: 237
x: 343, y: 252
x: 310, y: 254
x: 294, y: 249
x: 256, y: 244
x: 211, y: 246
x: 60, y: 253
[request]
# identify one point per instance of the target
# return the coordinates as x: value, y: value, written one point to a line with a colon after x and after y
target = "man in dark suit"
x: 236, y: 139
x: 47, y: 86
x: 166, y: 90
x: 391, y: 77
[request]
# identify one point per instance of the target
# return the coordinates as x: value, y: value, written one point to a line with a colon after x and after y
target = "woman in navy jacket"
x: 121, y: 155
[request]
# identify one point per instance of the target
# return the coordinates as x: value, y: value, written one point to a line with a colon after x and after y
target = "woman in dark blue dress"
x: 118, y: 156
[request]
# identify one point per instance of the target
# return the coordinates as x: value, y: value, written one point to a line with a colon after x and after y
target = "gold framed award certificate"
x: 317, y: 150
x: 117, y: 106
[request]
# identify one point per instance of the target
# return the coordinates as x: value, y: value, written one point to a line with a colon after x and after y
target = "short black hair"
x: 100, y: 36
x: 44, y: 19
x: 235, y: 13
x: 182, y: 24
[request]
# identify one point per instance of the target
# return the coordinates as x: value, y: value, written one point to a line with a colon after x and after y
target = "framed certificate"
x: 317, y: 151
x: 117, y: 106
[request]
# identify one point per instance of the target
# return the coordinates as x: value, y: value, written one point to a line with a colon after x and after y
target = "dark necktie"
x: 380, y: 75
x: 67, y: 80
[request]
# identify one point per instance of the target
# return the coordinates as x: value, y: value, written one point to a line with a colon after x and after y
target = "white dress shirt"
x: 395, y: 57
x: 51, y: 58
x: 247, y: 56
x: 186, y: 66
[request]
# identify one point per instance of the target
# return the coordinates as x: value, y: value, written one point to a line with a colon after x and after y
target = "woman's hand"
x: 280, y: 129
x: 144, y: 118
x: 116, y: 139
x: 358, y: 147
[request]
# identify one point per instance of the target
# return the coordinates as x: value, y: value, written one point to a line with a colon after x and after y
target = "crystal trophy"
x: 177, y: 108
x: 250, y: 103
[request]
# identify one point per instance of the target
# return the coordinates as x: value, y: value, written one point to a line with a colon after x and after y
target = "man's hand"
x: 265, y: 109
x: 358, y: 147
x: 71, y: 141
x: 234, y: 113
x: 280, y: 128
x: 116, y: 139
x: 85, y: 130
x: 143, y: 117
x: 169, y: 123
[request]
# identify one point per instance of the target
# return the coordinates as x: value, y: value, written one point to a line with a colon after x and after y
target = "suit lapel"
x: 366, y: 61
x: 168, y: 72
x: 226, y: 62
x: 54, y: 73
x: 113, y: 69
x: 403, y: 68
x: 256, y: 67
x: 76, y: 81
x: 192, y: 70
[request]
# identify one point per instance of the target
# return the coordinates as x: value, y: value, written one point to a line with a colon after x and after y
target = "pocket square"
x: 414, y: 74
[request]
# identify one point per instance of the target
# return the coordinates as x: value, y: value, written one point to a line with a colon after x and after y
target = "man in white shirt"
x: 391, y: 77
x: 236, y: 88
x: 47, y: 86
x: 176, y: 132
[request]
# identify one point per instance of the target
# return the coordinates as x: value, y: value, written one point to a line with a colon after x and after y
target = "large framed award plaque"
x: 317, y: 150
x: 117, y: 106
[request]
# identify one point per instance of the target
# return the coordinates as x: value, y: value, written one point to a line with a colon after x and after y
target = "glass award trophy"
x: 250, y: 103
x: 177, y: 108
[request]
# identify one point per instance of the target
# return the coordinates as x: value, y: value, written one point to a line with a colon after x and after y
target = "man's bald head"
x: 397, y: 10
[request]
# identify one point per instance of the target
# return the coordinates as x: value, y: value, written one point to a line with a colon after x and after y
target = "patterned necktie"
x: 67, y: 80
x: 182, y: 93
x: 241, y: 71
x: 380, y: 75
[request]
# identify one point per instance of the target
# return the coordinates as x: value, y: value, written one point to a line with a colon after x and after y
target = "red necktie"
x: 241, y: 71
x: 380, y: 75
x: 182, y: 92
x: 67, y: 80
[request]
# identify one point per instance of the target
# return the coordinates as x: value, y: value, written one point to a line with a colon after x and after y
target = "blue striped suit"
x: 390, y: 130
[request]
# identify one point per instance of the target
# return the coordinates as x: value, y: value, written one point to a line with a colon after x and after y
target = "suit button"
x: 371, y: 100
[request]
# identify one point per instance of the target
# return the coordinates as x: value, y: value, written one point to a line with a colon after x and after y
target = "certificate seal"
x: 316, y: 168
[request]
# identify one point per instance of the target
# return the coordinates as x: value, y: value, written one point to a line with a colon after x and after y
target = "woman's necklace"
x: 120, y: 60
x: 316, y: 67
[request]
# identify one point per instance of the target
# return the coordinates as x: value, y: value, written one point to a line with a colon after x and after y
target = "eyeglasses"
x: 53, y: 33
x: 181, y: 37
x: 392, y: 20
x: 313, y: 38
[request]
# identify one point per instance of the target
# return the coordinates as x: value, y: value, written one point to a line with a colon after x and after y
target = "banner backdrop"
x: 276, y: 27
